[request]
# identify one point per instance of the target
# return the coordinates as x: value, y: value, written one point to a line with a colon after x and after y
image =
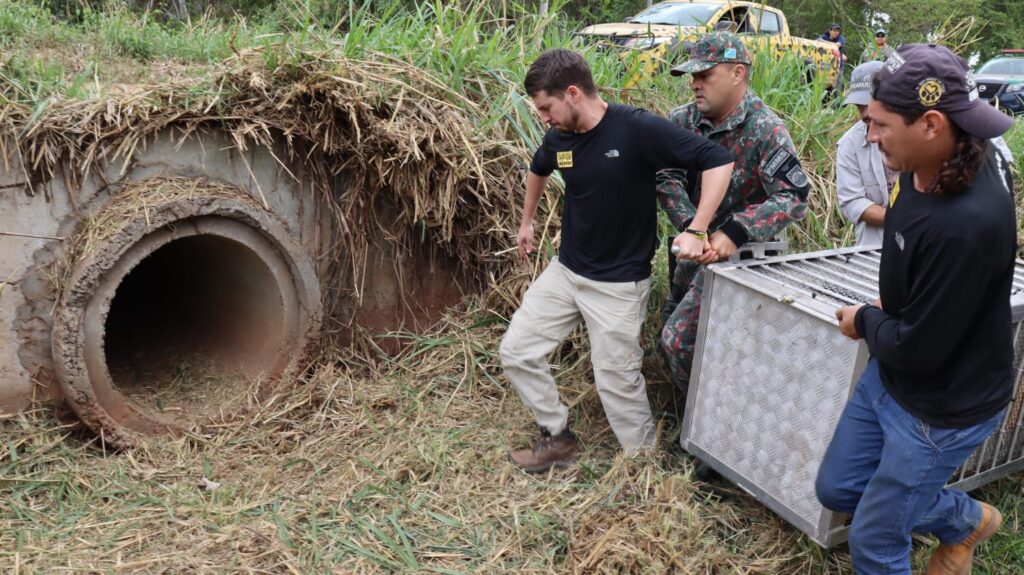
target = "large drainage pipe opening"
x: 193, y: 328
x: 190, y: 303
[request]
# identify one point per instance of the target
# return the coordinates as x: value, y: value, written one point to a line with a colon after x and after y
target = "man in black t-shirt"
x: 608, y: 156
x: 941, y: 369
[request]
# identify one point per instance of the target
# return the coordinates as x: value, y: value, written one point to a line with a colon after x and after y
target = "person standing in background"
x: 834, y: 34
x: 862, y: 179
x: 880, y: 51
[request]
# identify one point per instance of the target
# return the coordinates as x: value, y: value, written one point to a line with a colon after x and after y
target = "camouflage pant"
x: 679, y: 316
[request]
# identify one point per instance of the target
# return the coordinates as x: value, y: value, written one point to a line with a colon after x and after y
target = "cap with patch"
x: 834, y: 26
x: 713, y: 49
x: 860, y: 83
x: 922, y: 77
x: 880, y: 32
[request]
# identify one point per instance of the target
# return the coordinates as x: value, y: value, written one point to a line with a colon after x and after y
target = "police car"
x: 1001, y: 81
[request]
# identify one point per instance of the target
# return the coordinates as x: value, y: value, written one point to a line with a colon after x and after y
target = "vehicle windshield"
x: 1004, y: 67
x: 674, y: 14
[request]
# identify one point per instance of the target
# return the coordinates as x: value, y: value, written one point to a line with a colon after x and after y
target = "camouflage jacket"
x: 768, y: 189
x: 874, y: 52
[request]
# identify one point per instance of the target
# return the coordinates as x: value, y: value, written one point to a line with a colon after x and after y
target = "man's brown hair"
x: 557, y: 69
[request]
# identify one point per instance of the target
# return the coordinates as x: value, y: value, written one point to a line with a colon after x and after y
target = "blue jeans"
x: 889, y: 469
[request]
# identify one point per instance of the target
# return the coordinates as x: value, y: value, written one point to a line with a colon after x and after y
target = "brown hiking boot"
x: 956, y: 559
x: 549, y: 451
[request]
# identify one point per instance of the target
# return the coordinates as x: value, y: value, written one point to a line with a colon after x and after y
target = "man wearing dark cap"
x: 941, y: 368
x: 880, y: 51
x: 767, y: 191
x: 834, y: 34
x: 863, y: 180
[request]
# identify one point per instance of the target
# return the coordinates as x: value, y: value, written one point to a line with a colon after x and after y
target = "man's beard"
x: 572, y: 124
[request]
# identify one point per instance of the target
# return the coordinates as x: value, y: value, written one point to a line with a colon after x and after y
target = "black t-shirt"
x: 609, y: 220
x: 943, y: 339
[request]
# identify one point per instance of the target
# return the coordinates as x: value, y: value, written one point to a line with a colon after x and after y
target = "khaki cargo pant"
x: 614, y: 313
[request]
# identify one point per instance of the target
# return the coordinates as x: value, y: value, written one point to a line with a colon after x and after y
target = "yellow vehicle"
x: 665, y: 31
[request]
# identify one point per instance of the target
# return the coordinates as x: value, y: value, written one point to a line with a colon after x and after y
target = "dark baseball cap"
x: 713, y: 49
x: 834, y: 26
x: 922, y: 77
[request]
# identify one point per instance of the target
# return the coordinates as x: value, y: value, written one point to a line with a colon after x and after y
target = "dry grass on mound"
x: 443, y: 164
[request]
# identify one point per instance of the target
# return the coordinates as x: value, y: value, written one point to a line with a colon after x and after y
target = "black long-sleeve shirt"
x: 943, y: 337
x: 609, y: 220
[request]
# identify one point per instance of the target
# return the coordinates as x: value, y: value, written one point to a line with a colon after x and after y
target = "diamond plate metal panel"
x: 772, y: 374
x: 772, y: 386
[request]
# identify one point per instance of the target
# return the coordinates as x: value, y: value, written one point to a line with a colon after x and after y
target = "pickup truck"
x: 665, y: 31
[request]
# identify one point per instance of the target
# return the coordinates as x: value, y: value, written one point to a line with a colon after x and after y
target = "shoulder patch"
x: 564, y: 159
x: 776, y: 162
x: 797, y: 177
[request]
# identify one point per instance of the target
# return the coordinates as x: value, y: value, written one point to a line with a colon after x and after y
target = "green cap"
x: 713, y: 49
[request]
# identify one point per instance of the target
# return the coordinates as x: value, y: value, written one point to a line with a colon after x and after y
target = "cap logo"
x: 730, y: 54
x: 929, y: 92
x: 894, y: 62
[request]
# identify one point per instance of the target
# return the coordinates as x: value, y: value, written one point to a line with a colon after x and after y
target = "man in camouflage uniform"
x: 767, y: 192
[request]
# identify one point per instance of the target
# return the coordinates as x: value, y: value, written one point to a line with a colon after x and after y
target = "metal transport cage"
x: 772, y: 374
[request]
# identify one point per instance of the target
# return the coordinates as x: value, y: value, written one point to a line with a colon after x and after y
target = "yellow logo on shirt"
x: 895, y: 192
x: 564, y: 159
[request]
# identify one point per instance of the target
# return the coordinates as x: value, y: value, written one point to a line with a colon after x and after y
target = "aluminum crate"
x: 772, y: 373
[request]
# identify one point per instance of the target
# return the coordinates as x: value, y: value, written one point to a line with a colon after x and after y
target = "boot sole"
x: 558, y: 464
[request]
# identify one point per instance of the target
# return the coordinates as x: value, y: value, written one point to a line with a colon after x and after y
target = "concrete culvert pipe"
x: 182, y: 302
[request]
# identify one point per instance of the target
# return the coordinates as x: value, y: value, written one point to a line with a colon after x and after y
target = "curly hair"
x: 959, y: 169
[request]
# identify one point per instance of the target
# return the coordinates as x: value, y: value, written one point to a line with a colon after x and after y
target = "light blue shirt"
x: 860, y: 181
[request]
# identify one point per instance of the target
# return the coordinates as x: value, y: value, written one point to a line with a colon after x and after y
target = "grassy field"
x: 375, y: 463
x: 401, y: 466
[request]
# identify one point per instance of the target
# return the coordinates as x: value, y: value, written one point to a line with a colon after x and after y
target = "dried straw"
x: 399, y: 137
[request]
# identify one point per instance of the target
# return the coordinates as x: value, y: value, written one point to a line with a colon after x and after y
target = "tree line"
x: 987, y: 25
